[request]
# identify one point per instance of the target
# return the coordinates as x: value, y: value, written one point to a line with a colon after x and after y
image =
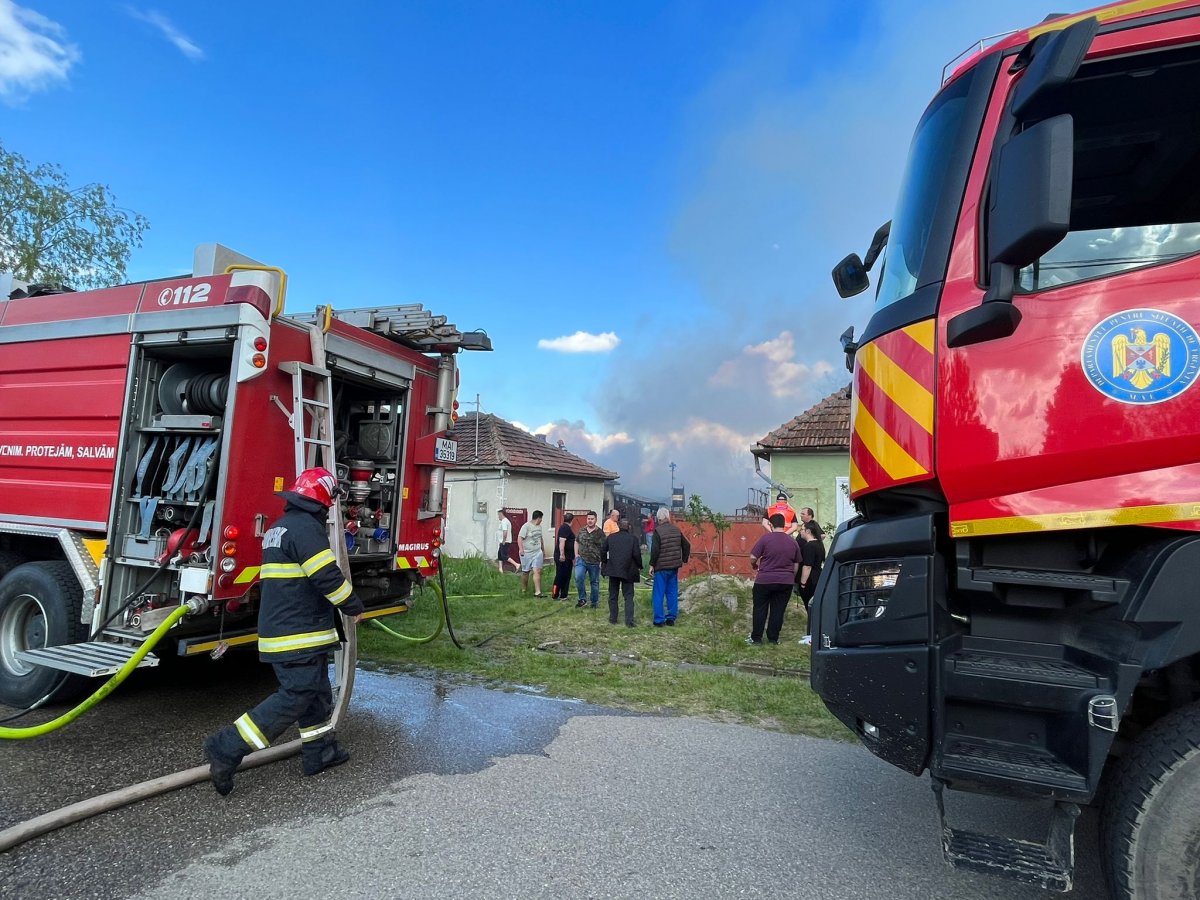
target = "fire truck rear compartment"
x: 177, y: 416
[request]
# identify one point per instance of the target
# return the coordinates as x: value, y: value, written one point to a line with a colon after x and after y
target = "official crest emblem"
x: 1142, y: 356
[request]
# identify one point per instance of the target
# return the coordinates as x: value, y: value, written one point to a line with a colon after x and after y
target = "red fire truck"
x: 1016, y: 607
x: 145, y: 430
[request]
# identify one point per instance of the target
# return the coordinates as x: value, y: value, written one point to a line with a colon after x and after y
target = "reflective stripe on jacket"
x: 301, y: 585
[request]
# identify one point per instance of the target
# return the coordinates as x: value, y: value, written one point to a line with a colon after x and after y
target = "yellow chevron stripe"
x: 1090, y: 518
x: 857, y: 482
x: 900, y: 387
x: 247, y: 575
x: 193, y: 649
x: 1121, y: 9
x: 95, y: 548
x: 890, y: 455
x: 385, y: 611
x: 922, y: 333
x: 403, y: 563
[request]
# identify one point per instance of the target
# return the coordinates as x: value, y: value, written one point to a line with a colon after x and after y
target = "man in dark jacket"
x: 669, y: 551
x: 302, y: 591
x: 622, y: 563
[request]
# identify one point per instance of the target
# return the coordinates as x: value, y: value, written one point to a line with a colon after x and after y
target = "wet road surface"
x: 461, y: 791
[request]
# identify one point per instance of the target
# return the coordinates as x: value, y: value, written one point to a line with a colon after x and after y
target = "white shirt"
x: 504, y: 531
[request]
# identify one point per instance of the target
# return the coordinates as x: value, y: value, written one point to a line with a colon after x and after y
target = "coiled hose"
x: 32, y: 731
x: 439, y: 588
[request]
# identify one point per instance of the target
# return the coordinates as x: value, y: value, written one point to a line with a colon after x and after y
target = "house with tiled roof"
x: 810, y: 458
x: 501, y: 466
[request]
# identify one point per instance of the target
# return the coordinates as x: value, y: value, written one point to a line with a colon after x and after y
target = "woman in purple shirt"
x: 776, y: 558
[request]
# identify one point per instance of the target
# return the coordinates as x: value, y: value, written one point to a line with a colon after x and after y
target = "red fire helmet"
x: 316, y: 484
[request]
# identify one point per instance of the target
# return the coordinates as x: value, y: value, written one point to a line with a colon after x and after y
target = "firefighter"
x: 302, y: 591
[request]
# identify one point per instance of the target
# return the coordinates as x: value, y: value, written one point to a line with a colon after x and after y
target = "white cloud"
x: 773, y: 362
x: 580, y: 441
x: 581, y: 342
x: 34, y: 53
x: 167, y: 29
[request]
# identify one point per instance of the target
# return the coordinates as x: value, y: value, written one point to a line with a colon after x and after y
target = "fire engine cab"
x: 145, y: 431
x: 1016, y: 608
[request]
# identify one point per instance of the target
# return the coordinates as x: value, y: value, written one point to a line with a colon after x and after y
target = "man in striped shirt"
x: 302, y: 591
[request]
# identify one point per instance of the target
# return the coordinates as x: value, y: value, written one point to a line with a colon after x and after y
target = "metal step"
x: 1099, y: 587
x: 1050, y: 865
x: 973, y: 758
x: 1023, y: 668
x: 1020, y: 680
x: 91, y: 659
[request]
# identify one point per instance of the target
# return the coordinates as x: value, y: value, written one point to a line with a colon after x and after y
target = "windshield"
x: 929, y: 181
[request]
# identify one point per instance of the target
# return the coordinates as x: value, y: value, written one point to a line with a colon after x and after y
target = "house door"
x: 558, y: 505
x: 517, y: 517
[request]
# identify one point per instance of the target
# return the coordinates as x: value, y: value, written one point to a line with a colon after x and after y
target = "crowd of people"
x: 787, y: 560
x: 611, y: 550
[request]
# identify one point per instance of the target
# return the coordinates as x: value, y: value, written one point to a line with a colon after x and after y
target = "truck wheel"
x: 1150, y: 822
x: 8, y: 562
x: 40, y: 605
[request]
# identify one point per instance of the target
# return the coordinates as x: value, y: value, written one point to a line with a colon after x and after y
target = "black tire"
x: 1150, y: 819
x: 40, y: 605
x: 9, y: 561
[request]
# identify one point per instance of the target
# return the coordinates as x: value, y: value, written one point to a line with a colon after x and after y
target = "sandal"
x: 539, y: 596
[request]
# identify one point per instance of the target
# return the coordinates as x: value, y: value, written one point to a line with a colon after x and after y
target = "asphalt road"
x: 460, y: 791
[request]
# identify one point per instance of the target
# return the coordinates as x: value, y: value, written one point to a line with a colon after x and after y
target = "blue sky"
x: 665, y: 184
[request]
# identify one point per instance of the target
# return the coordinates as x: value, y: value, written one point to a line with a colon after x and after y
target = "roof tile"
x: 496, y: 443
x: 824, y: 427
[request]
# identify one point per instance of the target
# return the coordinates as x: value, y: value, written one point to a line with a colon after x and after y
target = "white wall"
x: 469, y: 531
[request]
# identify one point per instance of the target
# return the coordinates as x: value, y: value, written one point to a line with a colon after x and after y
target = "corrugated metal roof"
x: 824, y: 427
x: 503, y: 445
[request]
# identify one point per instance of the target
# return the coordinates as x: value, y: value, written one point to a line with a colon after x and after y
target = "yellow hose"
x: 20, y: 734
x: 429, y: 637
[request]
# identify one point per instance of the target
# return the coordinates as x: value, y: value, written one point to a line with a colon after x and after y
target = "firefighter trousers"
x: 304, y: 697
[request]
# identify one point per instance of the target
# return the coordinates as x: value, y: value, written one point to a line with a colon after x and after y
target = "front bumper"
x: 872, y: 633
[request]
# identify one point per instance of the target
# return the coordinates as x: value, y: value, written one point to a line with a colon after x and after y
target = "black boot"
x: 220, y: 767
x: 325, y: 757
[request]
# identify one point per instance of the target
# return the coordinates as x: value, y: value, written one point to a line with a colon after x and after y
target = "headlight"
x: 865, y: 588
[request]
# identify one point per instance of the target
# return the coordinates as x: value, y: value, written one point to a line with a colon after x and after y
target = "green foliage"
x: 51, y: 232
x: 695, y: 668
x: 704, y: 546
x: 698, y: 514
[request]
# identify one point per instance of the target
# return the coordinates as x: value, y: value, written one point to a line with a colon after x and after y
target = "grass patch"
x: 699, y: 667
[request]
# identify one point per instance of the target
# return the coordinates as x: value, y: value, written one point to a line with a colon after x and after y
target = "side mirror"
x: 1030, y: 207
x: 850, y: 276
x: 1029, y: 213
x: 849, y: 347
x: 1053, y: 66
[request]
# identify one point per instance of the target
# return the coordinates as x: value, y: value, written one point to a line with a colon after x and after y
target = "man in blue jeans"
x: 589, y: 549
x: 669, y: 550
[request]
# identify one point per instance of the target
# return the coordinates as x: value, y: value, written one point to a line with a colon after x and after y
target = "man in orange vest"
x: 781, y: 507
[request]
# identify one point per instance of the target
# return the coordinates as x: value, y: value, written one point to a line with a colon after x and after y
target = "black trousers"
x: 770, y: 602
x: 562, y: 579
x: 615, y: 585
x: 304, y: 697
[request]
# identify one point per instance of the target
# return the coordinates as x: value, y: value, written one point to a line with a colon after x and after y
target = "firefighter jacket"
x: 301, y: 585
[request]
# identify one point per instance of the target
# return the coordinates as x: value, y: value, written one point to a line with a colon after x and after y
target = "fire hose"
x: 439, y: 588
x: 345, y: 661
